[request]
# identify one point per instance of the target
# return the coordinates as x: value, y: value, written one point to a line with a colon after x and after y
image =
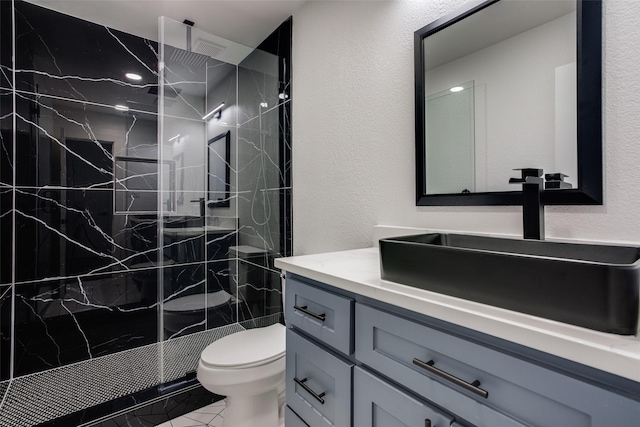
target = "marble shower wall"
x: 102, y: 250
x: 76, y: 253
x: 85, y: 188
x: 264, y: 178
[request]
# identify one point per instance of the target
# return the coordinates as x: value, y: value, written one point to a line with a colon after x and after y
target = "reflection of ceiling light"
x: 121, y: 107
x: 212, y: 112
x: 456, y: 89
x: 174, y: 138
x: 133, y: 76
x: 264, y: 105
x: 283, y: 95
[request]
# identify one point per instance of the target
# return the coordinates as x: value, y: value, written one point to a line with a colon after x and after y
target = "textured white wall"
x: 353, y: 130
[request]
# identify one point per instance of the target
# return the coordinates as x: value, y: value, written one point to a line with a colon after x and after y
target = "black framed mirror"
x: 467, y: 162
x: 219, y: 170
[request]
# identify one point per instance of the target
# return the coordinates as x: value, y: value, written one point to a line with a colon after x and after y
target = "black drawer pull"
x: 472, y: 387
x: 301, y: 383
x: 320, y: 317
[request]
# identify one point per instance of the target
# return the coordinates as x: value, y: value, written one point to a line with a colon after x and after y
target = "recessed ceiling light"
x: 456, y: 89
x: 133, y: 76
x: 121, y: 107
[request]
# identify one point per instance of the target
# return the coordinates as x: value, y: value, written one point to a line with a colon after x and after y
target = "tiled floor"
x: 209, y: 416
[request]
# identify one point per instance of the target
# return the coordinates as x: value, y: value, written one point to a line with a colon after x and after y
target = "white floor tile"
x: 209, y: 416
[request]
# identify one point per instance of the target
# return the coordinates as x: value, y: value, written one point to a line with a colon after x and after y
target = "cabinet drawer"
x: 318, y: 383
x: 378, y: 404
x: 528, y: 393
x: 291, y: 419
x: 321, y: 314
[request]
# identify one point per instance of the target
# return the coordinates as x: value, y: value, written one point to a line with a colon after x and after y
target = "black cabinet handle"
x: 320, y: 317
x: 427, y: 423
x: 472, y: 387
x: 301, y: 383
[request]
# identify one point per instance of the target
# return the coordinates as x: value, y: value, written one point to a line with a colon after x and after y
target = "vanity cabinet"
x: 379, y: 365
x: 319, y: 342
x: 377, y: 403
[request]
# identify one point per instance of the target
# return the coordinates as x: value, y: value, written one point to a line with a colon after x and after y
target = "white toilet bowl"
x: 247, y: 367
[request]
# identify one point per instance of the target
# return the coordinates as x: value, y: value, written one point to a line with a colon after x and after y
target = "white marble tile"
x: 208, y: 416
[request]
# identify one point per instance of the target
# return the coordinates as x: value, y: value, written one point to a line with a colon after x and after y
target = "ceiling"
x: 247, y: 22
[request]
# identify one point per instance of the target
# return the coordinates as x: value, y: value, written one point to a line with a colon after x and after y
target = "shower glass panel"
x: 220, y: 106
x: 262, y: 186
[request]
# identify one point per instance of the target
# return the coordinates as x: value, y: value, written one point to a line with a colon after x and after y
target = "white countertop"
x: 358, y: 271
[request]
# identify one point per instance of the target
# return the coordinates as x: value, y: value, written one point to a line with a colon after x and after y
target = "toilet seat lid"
x: 246, y: 348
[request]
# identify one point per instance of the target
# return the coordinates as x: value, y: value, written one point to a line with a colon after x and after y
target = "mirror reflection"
x: 219, y: 170
x: 500, y: 94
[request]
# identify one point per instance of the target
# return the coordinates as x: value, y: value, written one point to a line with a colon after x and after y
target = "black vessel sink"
x: 593, y: 286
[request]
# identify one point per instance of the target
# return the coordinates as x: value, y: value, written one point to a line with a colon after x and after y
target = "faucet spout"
x: 532, y: 208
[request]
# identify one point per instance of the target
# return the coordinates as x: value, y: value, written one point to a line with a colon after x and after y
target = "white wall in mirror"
x: 520, y: 119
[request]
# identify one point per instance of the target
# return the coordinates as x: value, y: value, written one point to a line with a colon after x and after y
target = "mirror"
x: 219, y: 170
x: 508, y: 84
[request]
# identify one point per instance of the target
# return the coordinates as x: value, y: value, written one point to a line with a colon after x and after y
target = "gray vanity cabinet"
x: 291, y: 419
x: 354, y: 362
x: 379, y: 404
x: 324, y: 315
x: 483, y: 386
x: 319, y: 341
x: 318, y: 383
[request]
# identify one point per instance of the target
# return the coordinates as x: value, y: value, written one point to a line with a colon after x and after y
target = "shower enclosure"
x: 224, y: 196
x: 138, y: 221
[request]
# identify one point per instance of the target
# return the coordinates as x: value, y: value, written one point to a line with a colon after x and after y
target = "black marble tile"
x: 263, y: 195
x: 71, y: 58
x: 6, y: 40
x: 70, y: 232
x: 6, y: 137
x: 218, y: 244
x: 5, y: 332
x: 184, y: 300
x: 6, y: 235
x: 265, y: 75
x: 64, y: 321
x: 261, y: 205
x: 192, y: 303
x: 259, y: 291
x: 75, y: 144
x: 259, y: 88
x: 183, y: 238
x: 221, y: 301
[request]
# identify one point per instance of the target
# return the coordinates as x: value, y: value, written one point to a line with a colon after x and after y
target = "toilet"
x: 248, y: 367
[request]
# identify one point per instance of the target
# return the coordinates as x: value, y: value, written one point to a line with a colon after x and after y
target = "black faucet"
x: 532, y: 207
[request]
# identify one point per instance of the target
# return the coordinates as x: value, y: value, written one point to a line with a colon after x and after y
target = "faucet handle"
x: 556, y: 181
x: 526, y: 173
